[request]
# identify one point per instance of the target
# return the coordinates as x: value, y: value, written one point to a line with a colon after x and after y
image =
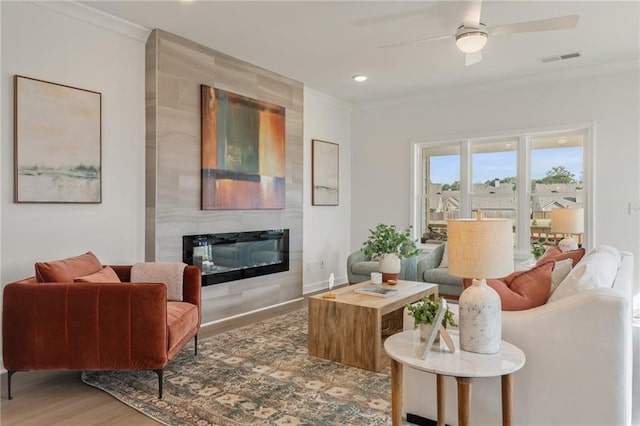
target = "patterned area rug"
x: 256, y: 375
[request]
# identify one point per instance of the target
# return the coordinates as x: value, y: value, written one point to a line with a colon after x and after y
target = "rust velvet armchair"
x: 97, y: 325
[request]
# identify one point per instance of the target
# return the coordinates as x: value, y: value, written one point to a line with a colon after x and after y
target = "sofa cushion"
x: 66, y: 270
x: 440, y: 276
x: 554, y: 253
x: 105, y: 275
x: 597, y: 269
x: 444, y: 262
x: 522, y: 289
x: 365, y: 268
x: 182, y: 317
x: 560, y: 272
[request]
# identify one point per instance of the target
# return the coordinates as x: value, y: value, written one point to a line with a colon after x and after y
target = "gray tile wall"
x: 175, y: 69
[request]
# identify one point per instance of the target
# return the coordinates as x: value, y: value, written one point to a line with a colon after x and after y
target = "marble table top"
x: 439, y: 360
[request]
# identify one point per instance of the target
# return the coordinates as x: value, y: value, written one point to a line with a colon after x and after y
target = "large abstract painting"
x: 57, y: 143
x: 243, y: 152
x: 324, y: 173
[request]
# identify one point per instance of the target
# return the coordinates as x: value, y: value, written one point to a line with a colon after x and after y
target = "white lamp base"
x: 480, y: 319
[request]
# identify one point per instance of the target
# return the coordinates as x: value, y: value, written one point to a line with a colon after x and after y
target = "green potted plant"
x: 388, y: 244
x: 424, y: 313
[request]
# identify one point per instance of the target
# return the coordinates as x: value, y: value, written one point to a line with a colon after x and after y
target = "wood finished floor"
x: 61, y: 398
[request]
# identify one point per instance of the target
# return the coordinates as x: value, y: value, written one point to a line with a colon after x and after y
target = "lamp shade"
x: 480, y: 248
x: 567, y: 221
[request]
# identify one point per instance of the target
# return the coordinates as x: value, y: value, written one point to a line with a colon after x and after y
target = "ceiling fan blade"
x: 420, y: 40
x: 552, y: 24
x: 472, y: 16
x: 472, y: 58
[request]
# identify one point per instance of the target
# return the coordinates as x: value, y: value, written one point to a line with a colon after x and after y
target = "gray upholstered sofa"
x: 359, y: 268
x: 428, y: 270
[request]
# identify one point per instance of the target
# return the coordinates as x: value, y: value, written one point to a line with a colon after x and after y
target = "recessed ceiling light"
x: 360, y: 78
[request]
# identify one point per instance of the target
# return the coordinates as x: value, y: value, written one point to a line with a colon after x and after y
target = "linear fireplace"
x: 237, y: 255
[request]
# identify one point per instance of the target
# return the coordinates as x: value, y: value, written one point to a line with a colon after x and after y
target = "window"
x: 520, y: 177
x: 441, y: 189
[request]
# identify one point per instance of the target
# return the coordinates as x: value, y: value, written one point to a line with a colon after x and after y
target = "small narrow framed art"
x: 57, y: 143
x: 324, y: 173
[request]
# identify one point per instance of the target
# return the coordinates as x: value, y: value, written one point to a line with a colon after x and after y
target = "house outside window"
x: 520, y: 177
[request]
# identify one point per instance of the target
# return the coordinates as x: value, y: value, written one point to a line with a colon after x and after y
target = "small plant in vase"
x: 424, y: 312
x: 388, y: 244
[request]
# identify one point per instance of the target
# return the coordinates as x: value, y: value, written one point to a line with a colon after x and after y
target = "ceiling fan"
x: 472, y: 35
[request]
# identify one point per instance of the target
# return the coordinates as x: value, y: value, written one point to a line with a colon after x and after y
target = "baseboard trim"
x: 250, y: 312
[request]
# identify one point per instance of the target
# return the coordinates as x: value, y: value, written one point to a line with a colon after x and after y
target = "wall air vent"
x: 555, y: 58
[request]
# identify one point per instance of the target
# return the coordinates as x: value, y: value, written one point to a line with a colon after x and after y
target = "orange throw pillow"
x: 66, y: 270
x: 554, y: 253
x: 522, y: 290
x: 105, y: 275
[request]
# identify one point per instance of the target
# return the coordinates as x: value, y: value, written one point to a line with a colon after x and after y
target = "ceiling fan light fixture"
x: 471, y: 40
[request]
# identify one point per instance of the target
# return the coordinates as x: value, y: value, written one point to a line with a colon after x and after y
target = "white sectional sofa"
x: 578, y: 369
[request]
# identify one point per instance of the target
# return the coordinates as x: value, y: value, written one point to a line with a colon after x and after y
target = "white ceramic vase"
x: 480, y: 319
x: 389, y: 264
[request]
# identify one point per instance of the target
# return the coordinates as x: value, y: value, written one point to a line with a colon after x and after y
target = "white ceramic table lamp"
x: 567, y: 221
x: 479, y: 249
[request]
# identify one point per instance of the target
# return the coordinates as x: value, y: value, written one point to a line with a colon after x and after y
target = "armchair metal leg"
x: 159, y: 373
x: 195, y: 352
x: 9, y: 374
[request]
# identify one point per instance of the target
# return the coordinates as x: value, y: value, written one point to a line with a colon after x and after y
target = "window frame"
x: 523, y: 198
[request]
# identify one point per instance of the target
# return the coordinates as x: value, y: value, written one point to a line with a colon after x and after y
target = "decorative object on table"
x: 243, y: 152
x: 392, y: 282
x: 330, y: 294
x: 389, y: 244
x: 325, y: 181
x: 568, y: 221
x: 377, y: 291
x: 376, y: 278
x: 480, y: 248
x: 424, y: 313
x: 57, y: 143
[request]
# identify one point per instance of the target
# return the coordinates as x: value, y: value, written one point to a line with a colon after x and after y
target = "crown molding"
x: 480, y: 89
x: 96, y: 17
x: 323, y: 97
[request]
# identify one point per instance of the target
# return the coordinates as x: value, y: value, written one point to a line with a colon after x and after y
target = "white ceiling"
x: 323, y: 44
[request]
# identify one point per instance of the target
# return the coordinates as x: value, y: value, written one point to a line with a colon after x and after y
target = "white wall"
x: 327, y: 229
x: 606, y: 96
x: 70, y: 44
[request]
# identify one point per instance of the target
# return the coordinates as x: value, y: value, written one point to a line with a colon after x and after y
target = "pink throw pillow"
x: 105, y: 275
x: 554, y: 253
x: 66, y: 270
x: 522, y: 290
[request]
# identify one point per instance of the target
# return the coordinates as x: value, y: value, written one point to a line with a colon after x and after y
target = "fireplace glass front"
x: 237, y: 255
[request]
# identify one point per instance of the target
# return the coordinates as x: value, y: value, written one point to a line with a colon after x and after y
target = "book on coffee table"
x: 377, y: 291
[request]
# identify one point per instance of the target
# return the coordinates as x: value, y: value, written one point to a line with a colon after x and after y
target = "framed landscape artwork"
x: 57, y: 143
x: 324, y: 173
x: 243, y: 152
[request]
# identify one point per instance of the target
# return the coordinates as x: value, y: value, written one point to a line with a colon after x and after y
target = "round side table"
x: 464, y: 366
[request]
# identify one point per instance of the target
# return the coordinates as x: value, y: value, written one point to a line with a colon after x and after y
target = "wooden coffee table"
x: 351, y: 328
